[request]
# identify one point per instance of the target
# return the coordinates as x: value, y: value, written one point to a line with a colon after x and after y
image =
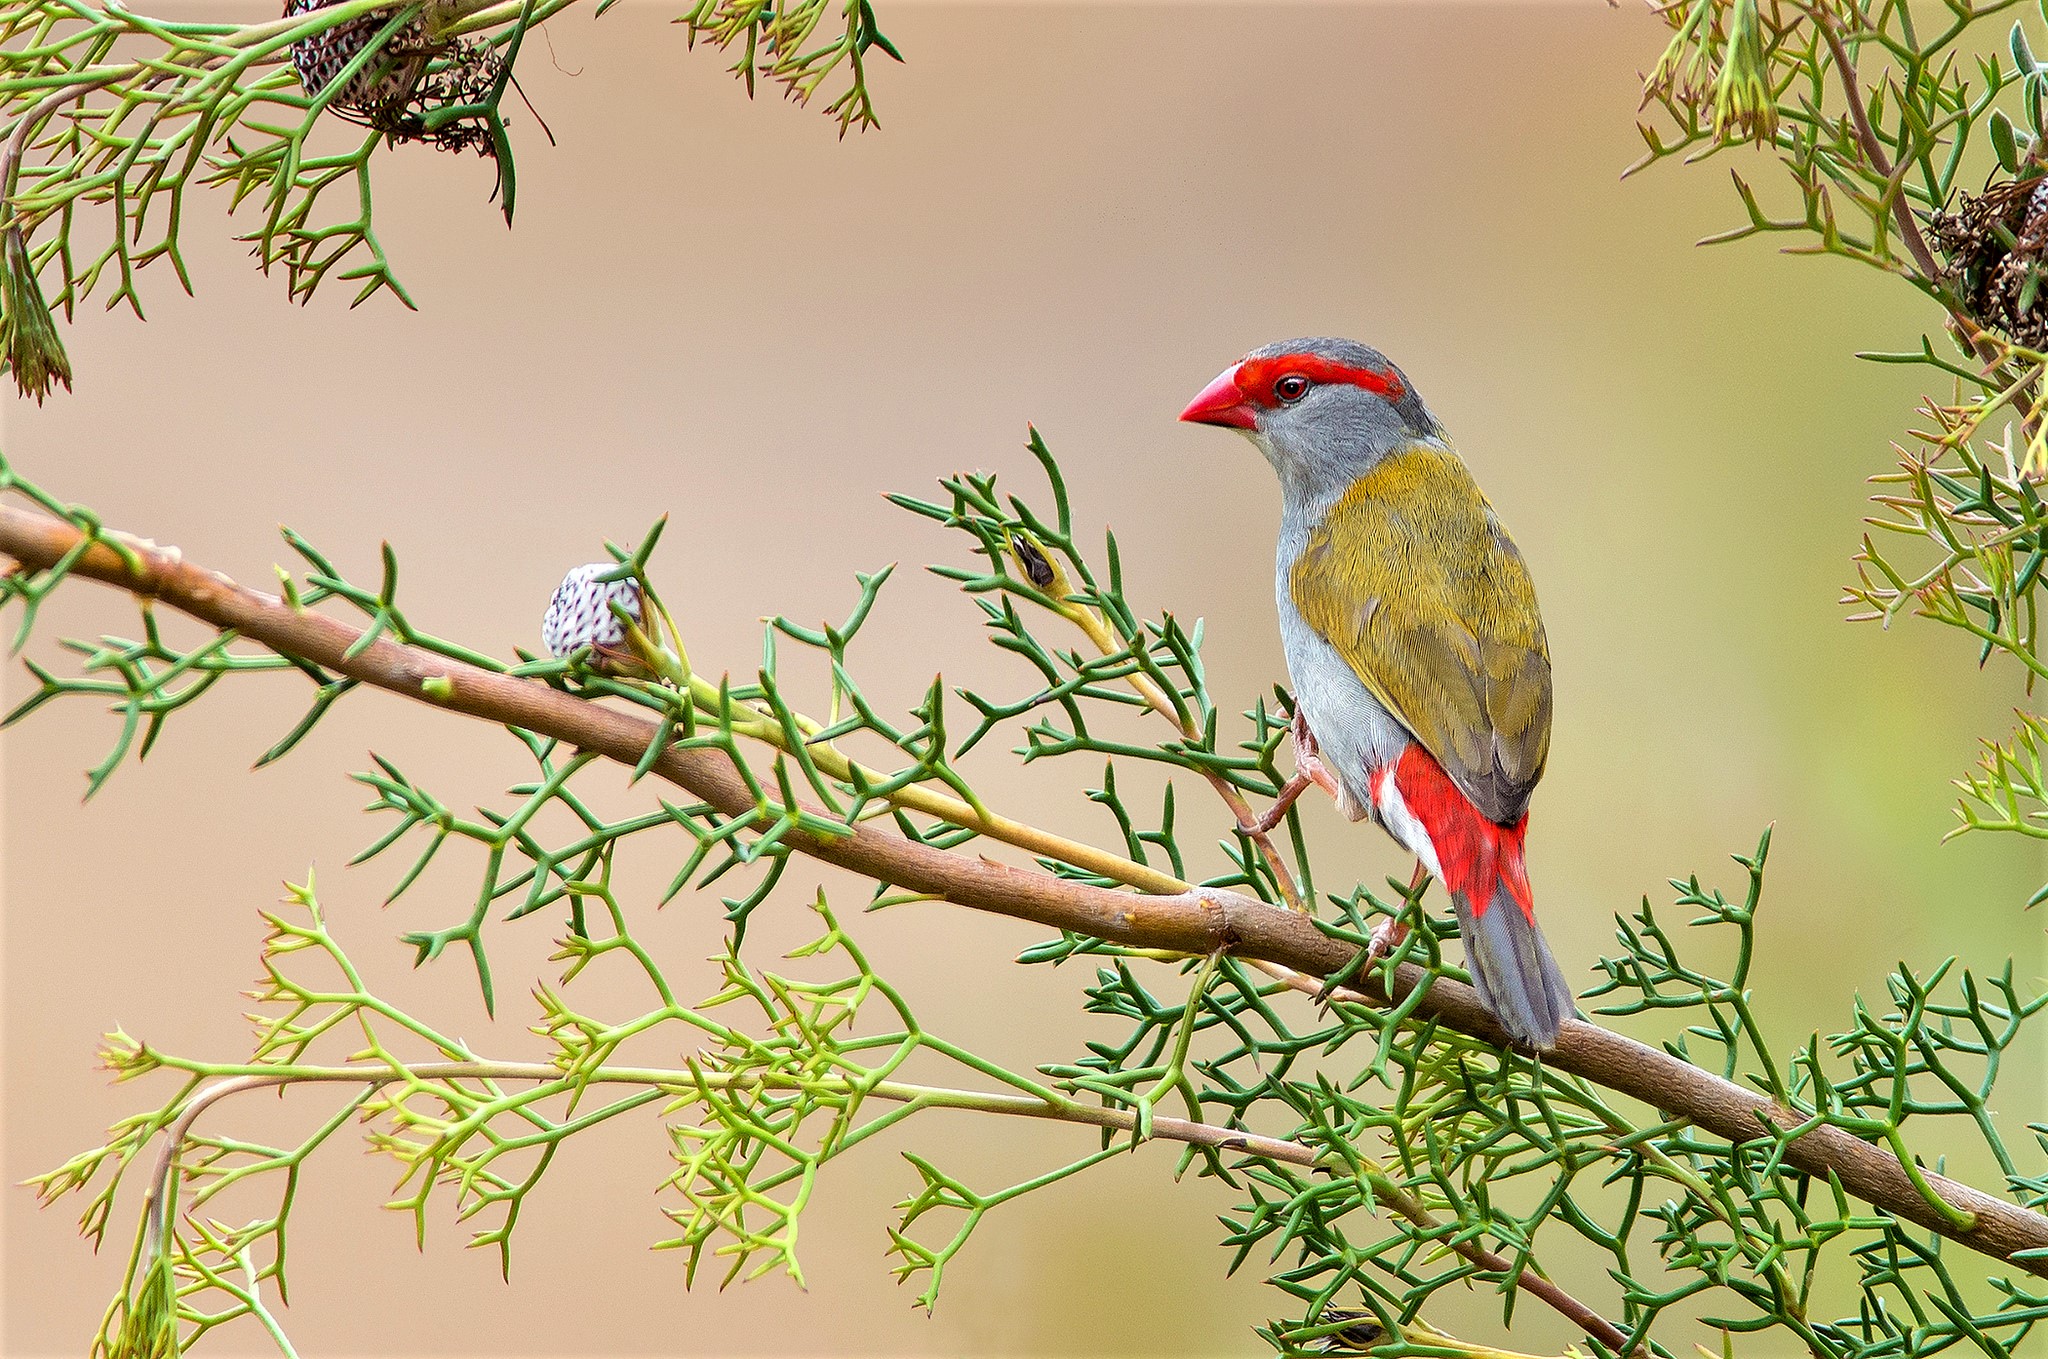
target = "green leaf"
x: 2003, y: 142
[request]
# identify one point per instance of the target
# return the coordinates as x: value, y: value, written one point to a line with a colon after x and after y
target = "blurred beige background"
x: 1072, y: 215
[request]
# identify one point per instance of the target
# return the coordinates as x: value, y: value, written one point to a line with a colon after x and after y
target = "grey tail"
x: 1517, y: 979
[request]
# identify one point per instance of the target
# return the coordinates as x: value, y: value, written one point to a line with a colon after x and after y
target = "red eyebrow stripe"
x: 1255, y: 377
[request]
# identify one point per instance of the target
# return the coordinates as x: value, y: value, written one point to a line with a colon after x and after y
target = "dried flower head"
x: 385, y: 81
x: 1996, y: 249
x: 413, y: 76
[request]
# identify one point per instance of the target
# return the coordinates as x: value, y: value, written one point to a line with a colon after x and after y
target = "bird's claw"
x: 1283, y: 802
x: 1387, y: 936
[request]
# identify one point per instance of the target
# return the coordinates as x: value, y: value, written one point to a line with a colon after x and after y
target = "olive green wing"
x: 1421, y: 590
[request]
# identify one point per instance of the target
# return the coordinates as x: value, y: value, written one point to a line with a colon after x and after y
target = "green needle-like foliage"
x: 108, y: 117
x: 1910, y: 139
x: 1375, y: 1157
x: 1372, y: 1156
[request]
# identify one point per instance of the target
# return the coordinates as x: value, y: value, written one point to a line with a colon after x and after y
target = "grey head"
x: 1323, y: 411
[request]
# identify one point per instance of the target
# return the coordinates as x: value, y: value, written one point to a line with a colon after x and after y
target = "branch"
x: 1197, y: 920
x: 1902, y: 211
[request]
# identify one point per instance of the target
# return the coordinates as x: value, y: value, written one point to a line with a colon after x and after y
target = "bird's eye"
x: 1291, y: 388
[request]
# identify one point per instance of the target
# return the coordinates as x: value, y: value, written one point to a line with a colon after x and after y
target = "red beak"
x: 1222, y: 402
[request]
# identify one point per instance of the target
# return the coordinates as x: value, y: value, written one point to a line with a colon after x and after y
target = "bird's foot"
x: 1392, y: 932
x: 1308, y: 762
x: 1387, y: 936
x: 1290, y: 792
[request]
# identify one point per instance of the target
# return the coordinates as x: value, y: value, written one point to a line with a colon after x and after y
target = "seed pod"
x: 1032, y: 561
x: 410, y: 77
x: 1363, y: 1334
x: 384, y: 83
x: 580, y: 614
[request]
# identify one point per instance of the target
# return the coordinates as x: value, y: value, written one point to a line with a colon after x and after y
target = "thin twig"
x: 1980, y: 342
x: 1902, y: 211
x: 1016, y: 1106
x: 1247, y: 821
x: 31, y: 122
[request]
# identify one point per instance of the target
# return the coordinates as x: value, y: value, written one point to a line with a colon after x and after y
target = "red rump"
x: 1255, y: 377
x: 1476, y: 854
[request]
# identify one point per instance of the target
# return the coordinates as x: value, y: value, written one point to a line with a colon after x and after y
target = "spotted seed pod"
x: 580, y: 613
x: 385, y: 82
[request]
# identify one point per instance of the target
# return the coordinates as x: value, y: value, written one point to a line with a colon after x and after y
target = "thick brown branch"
x: 1191, y: 922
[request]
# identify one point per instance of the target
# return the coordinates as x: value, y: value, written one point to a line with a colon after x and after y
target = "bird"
x: 1414, y: 644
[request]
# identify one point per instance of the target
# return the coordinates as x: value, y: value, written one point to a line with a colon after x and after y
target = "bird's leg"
x: 1308, y: 769
x: 1290, y: 793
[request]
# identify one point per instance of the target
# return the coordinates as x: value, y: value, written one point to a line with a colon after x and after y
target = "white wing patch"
x: 1401, y: 823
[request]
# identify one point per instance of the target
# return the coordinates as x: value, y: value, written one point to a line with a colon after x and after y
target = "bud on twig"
x: 28, y: 333
x: 149, y: 1326
x: 580, y: 614
x: 1032, y: 561
x: 1743, y: 105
